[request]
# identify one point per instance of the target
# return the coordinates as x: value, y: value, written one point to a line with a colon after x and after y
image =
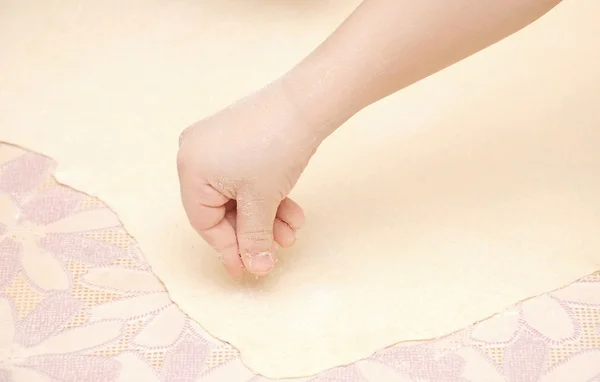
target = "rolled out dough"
x: 438, y: 207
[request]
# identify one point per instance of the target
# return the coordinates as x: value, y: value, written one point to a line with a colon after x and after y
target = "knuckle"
x: 182, y: 136
x: 255, y: 239
x: 226, y: 247
x: 183, y: 158
x: 257, y: 235
x: 187, y: 161
x: 181, y: 162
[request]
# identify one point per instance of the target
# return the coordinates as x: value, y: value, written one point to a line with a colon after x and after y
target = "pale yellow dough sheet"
x: 438, y: 207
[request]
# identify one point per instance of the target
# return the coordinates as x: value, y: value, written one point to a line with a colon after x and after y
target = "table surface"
x: 78, y: 302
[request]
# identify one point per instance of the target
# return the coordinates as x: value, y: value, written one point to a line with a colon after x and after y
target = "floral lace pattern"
x: 78, y: 302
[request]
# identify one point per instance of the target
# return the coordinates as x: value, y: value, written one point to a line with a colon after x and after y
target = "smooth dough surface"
x: 461, y: 195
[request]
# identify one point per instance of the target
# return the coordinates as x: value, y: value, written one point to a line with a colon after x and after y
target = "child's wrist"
x: 323, y: 106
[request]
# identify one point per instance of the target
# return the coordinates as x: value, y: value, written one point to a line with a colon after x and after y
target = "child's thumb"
x: 254, y: 229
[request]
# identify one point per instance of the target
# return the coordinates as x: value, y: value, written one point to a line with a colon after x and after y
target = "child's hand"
x: 236, y: 169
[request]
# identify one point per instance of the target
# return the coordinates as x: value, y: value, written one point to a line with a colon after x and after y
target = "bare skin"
x: 237, y: 167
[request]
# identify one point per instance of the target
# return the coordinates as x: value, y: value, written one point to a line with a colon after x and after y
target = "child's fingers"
x: 284, y: 235
x: 291, y: 213
x: 206, y: 209
x: 223, y: 239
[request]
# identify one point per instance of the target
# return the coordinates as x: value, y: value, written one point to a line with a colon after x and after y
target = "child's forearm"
x: 386, y: 45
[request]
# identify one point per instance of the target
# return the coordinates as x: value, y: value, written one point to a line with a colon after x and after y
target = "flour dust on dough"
x: 459, y: 196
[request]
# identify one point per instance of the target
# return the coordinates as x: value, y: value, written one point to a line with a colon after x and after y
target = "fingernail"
x: 260, y: 263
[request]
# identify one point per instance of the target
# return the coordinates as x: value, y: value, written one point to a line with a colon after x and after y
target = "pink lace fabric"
x: 78, y: 302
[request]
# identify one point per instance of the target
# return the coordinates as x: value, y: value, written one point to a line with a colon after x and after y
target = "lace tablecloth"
x: 78, y: 302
